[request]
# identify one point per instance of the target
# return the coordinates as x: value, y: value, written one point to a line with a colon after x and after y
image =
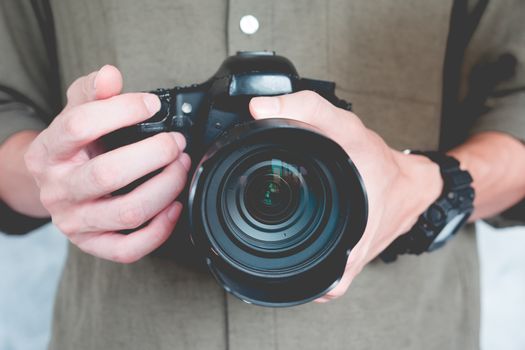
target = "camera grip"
x: 162, y: 121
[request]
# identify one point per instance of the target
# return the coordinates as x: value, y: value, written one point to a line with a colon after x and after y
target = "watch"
x: 444, y: 217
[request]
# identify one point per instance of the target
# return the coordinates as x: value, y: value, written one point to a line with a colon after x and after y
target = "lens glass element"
x: 275, y: 208
x: 273, y: 192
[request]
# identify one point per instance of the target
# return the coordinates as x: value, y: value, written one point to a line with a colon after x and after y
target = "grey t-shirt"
x: 388, y: 58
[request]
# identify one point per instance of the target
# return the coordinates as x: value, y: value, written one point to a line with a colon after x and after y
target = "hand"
x: 76, y: 178
x: 399, y: 186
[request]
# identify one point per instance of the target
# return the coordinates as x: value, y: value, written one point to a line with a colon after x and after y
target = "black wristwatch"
x: 444, y: 217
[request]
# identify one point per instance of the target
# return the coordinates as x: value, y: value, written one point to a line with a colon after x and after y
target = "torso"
x: 387, y: 58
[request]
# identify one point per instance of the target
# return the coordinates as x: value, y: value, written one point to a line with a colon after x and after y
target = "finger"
x: 342, y: 286
x: 132, y: 247
x: 186, y: 161
x: 335, y: 293
x: 113, y: 170
x: 322, y: 300
x: 354, y: 266
x: 339, y: 290
x: 81, y: 125
x: 133, y: 209
x: 108, y: 82
x: 305, y: 106
x: 101, y: 84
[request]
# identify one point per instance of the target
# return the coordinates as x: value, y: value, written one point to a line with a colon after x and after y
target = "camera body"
x: 273, y: 207
x: 202, y: 112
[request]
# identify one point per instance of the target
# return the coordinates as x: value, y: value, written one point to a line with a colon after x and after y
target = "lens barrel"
x: 275, y: 207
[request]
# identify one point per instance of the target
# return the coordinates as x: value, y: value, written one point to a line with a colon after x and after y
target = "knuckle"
x: 141, y: 103
x: 65, y: 224
x: 33, y: 161
x: 82, y: 88
x: 158, y: 235
x: 340, y: 292
x: 333, y: 296
x: 73, y: 123
x: 134, y: 102
x: 77, y: 240
x: 123, y: 255
x: 314, y: 103
x: 176, y: 175
x: 37, y: 153
x: 132, y: 216
x: 317, y: 103
x: 354, y: 120
x: 53, y: 183
x: 86, y: 86
x: 49, y: 197
x: 310, y: 95
x: 102, y: 176
x: 72, y: 89
x: 168, y: 147
x: 180, y: 177
x: 46, y: 200
x: 90, y: 218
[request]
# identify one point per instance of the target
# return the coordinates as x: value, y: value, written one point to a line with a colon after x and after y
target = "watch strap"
x: 456, y: 199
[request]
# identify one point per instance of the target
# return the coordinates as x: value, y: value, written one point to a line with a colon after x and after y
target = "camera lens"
x: 276, y: 208
x: 273, y: 193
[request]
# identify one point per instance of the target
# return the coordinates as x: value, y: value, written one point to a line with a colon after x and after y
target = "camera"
x: 273, y: 207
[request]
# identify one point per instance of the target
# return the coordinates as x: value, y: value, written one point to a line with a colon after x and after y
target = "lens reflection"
x: 273, y: 193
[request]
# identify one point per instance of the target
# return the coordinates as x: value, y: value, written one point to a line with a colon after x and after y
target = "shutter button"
x: 249, y: 24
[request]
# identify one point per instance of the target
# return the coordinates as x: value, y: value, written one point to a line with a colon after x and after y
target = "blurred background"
x: 30, y: 268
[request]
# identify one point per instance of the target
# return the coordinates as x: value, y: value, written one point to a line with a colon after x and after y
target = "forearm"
x: 17, y: 187
x: 496, y: 162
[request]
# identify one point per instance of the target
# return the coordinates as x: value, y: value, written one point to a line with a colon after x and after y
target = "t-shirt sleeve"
x: 28, y: 82
x: 493, y: 82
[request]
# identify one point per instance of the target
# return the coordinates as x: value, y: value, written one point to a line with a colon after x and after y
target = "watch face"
x: 448, y: 231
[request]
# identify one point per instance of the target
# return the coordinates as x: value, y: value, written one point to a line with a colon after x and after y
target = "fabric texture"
x: 387, y: 58
x: 493, y: 84
x: 29, y: 92
x: 495, y: 63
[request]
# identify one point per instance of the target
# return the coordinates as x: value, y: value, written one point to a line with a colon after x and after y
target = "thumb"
x: 305, y: 106
x: 311, y: 108
x: 98, y: 85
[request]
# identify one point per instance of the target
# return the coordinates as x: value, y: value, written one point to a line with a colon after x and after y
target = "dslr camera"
x: 273, y: 207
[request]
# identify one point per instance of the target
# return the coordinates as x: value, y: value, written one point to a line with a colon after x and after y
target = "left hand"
x: 399, y: 186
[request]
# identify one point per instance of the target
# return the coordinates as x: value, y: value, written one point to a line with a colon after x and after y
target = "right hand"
x: 76, y: 178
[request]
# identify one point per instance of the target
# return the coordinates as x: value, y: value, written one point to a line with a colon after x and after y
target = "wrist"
x: 496, y: 162
x: 422, y: 185
x: 17, y: 187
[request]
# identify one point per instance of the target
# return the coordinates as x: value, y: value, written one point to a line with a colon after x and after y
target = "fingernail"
x: 95, y: 81
x: 94, y: 76
x: 180, y: 140
x: 266, y: 106
x: 152, y: 103
x: 173, y: 212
